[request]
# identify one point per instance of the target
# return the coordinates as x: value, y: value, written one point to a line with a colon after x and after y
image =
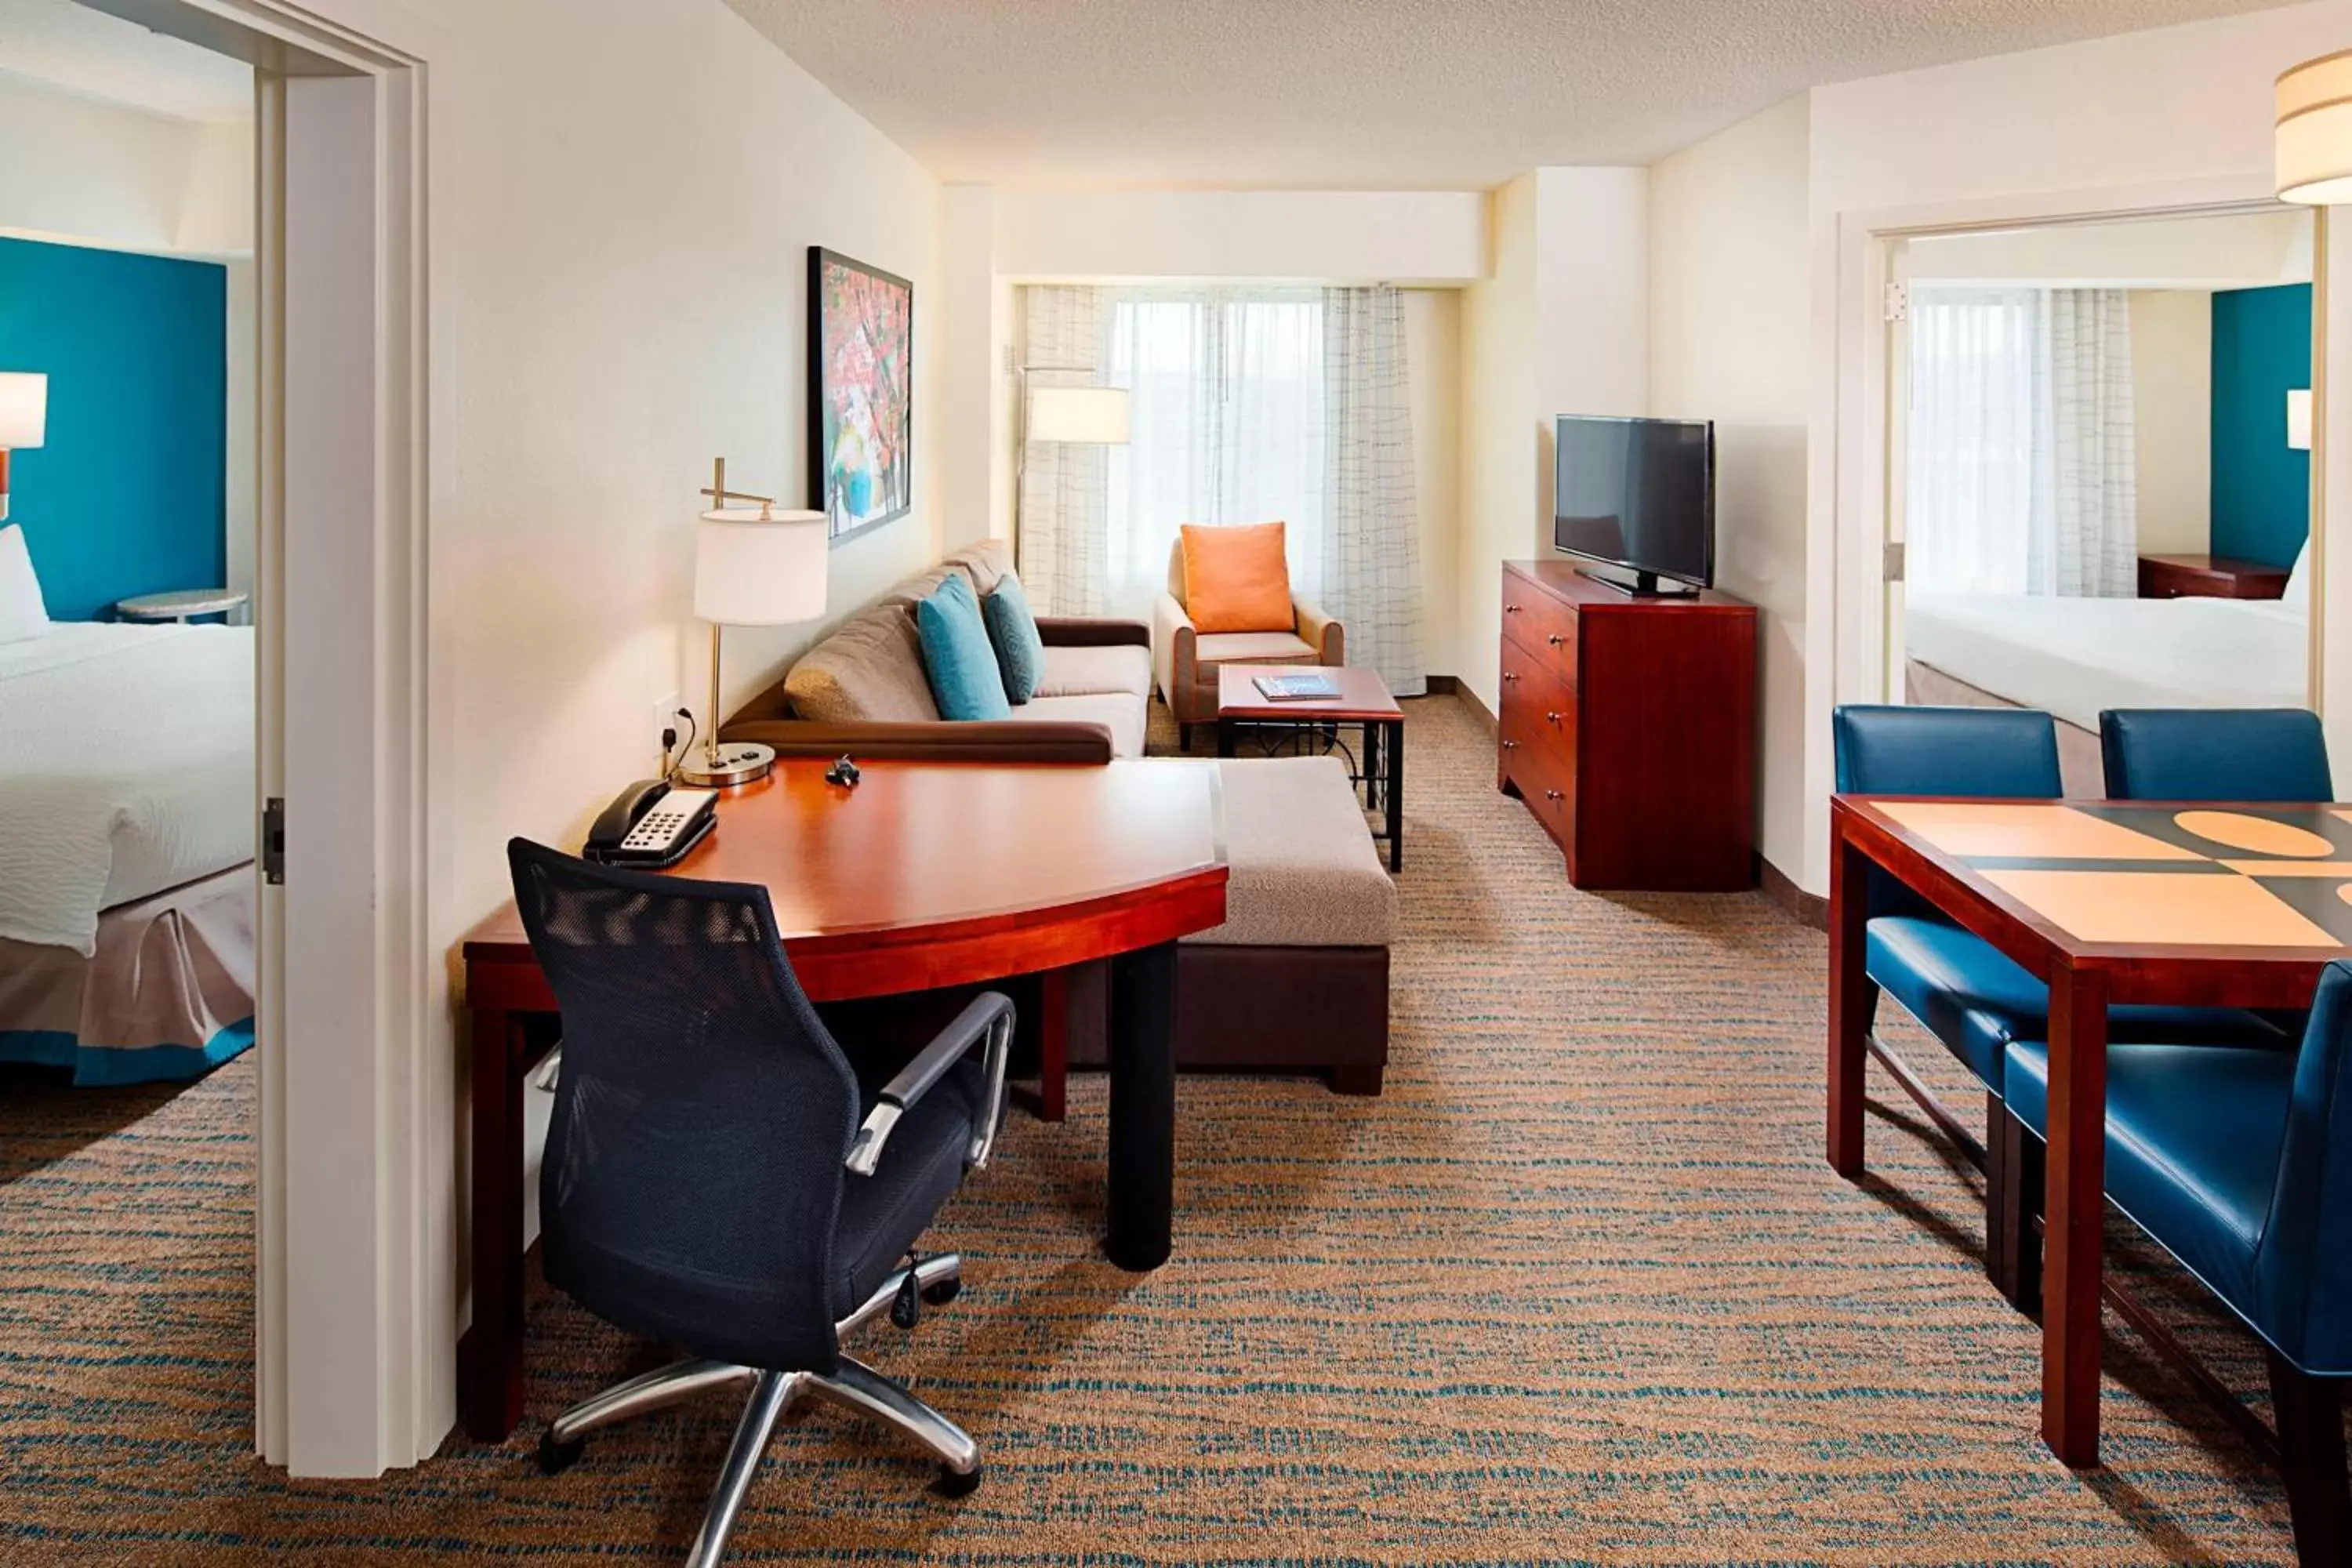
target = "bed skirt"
x: 2081, y: 771
x: 168, y: 995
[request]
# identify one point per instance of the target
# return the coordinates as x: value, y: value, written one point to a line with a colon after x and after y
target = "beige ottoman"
x: 1297, y: 980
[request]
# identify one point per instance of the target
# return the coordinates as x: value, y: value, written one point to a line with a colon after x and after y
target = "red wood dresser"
x: 1628, y: 727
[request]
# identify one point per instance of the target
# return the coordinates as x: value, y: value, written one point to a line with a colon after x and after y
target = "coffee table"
x: 1364, y: 699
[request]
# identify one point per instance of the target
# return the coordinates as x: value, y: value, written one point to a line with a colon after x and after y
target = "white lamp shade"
x: 1088, y: 416
x: 2314, y: 146
x: 2298, y: 418
x: 755, y: 571
x: 24, y: 410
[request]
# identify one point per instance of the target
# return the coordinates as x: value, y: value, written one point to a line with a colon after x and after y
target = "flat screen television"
x: 1637, y: 495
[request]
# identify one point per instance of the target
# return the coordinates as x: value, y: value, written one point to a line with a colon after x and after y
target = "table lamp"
x: 753, y: 566
x: 24, y: 420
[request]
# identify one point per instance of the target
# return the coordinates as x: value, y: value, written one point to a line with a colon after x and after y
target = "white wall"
x: 2172, y: 418
x: 1729, y: 329
x: 622, y: 278
x: 1325, y: 236
x: 1501, y: 452
x: 1433, y: 332
x: 2234, y: 250
x: 1560, y: 326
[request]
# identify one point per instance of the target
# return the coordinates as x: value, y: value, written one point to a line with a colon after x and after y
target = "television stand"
x: 1644, y: 586
x: 1628, y: 726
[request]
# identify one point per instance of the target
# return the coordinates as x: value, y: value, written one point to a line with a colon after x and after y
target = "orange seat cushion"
x: 1236, y: 579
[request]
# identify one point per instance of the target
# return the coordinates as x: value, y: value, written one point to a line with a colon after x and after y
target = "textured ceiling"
x: 1369, y: 93
x: 97, y: 56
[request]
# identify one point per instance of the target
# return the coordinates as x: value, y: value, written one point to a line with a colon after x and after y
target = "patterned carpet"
x: 1579, y: 1287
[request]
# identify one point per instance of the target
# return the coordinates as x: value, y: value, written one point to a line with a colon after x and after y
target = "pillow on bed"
x: 21, y: 614
x: 2297, y: 596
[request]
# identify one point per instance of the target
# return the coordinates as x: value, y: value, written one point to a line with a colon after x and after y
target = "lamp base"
x: 730, y: 763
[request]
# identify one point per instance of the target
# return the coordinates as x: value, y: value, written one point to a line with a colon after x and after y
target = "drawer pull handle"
x: 1551, y: 718
x: 1552, y: 794
x: 1555, y: 639
x: 1510, y: 745
x: 1510, y: 609
x: 1510, y: 675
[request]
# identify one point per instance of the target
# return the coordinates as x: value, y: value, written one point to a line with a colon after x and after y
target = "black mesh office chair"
x: 720, y: 1176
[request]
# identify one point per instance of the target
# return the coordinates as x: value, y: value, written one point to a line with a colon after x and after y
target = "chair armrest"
x: 1174, y: 647
x: 979, y: 740
x: 988, y: 1016
x: 1326, y: 635
x: 1092, y: 631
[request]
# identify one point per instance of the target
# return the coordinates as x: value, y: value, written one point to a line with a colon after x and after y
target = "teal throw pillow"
x: 1020, y: 651
x: 957, y: 657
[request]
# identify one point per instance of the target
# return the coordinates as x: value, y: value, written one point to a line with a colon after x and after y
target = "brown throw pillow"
x: 1236, y: 579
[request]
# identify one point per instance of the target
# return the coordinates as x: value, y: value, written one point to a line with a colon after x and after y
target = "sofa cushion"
x: 1252, y: 647
x: 1013, y: 629
x: 868, y: 670
x: 1122, y: 669
x: 1236, y: 579
x: 957, y: 655
x: 1124, y: 717
x: 1304, y: 870
x: 987, y: 563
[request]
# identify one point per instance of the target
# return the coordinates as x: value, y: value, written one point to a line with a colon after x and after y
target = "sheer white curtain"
x: 2020, y: 477
x: 1244, y: 405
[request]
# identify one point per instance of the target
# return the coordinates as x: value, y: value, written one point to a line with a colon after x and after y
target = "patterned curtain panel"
x: 1064, y: 490
x: 2020, y: 474
x: 1371, y: 539
x: 2087, y: 539
x: 1244, y: 405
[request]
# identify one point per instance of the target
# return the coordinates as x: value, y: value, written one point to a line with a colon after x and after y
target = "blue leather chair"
x: 2214, y: 753
x: 2240, y: 1164
x: 1960, y: 988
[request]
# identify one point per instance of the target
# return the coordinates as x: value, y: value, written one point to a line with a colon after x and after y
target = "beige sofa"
x: 1185, y: 661
x: 862, y: 688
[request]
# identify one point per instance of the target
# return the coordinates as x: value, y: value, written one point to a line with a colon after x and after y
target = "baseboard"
x: 1469, y: 699
x: 1807, y: 908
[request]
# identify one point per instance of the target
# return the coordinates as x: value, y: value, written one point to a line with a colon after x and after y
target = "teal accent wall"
x: 2262, y: 488
x: 128, y: 494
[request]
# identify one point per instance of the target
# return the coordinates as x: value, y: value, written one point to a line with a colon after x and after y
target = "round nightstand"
x: 180, y: 605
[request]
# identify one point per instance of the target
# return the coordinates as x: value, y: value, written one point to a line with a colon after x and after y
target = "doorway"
x: 2099, y: 476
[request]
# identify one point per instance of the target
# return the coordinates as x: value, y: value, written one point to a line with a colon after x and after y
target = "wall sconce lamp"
x: 24, y: 420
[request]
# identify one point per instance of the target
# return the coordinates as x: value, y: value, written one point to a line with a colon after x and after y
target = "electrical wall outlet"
x: 665, y: 718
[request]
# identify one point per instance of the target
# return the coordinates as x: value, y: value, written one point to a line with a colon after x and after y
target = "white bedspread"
x: 126, y: 767
x: 2074, y: 657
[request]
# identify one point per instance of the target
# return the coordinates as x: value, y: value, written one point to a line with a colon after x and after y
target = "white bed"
x: 126, y: 768
x: 2074, y: 658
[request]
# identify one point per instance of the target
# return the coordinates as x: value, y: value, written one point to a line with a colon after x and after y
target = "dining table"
x: 2109, y: 902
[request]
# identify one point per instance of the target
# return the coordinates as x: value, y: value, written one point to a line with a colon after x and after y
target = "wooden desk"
x: 2109, y: 902
x: 926, y: 875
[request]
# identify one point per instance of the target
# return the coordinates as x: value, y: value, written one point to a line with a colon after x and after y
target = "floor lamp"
x: 1072, y: 417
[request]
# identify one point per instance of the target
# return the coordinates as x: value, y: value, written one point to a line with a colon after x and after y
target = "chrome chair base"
x: 854, y: 1386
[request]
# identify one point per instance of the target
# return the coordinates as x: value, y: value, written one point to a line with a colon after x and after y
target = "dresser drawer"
x: 1532, y: 692
x: 1539, y: 623
x: 1540, y: 758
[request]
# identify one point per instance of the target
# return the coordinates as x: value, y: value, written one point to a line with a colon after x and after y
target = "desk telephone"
x: 651, y: 826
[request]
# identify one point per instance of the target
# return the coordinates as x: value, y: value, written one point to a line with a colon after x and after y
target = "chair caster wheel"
x: 951, y: 1484
x: 940, y: 1294
x: 555, y: 1457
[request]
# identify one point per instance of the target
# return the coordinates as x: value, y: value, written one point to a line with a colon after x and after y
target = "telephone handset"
x: 651, y: 826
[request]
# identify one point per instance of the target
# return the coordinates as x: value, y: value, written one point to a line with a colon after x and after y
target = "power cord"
x: 669, y: 739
